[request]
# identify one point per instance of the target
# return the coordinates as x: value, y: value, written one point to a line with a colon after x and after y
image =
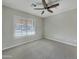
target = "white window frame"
x: 26, y: 33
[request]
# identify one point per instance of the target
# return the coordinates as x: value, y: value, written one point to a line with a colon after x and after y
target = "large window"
x: 24, y: 27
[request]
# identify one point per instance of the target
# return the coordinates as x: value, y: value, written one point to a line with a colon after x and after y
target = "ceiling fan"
x: 47, y: 7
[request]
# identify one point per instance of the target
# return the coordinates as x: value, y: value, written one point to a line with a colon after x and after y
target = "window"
x: 24, y: 27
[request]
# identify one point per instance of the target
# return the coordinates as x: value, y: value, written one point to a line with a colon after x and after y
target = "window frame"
x: 20, y: 17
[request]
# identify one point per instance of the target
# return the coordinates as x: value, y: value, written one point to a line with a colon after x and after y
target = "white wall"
x: 8, y: 27
x: 62, y: 27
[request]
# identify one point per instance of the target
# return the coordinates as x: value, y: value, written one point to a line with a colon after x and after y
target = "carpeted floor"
x: 41, y: 49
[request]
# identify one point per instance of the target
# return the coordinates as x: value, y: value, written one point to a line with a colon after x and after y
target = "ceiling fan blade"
x: 44, y: 3
x: 50, y: 11
x: 38, y: 8
x: 42, y: 12
x: 52, y: 6
x: 34, y: 5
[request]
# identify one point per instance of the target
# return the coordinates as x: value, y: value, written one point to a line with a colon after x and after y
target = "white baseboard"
x: 19, y: 44
x: 61, y: 41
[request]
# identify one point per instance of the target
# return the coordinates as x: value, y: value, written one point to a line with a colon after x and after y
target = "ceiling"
x: 26, y: 6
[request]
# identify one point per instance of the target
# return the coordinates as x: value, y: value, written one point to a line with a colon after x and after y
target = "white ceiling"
x: 26, y: 6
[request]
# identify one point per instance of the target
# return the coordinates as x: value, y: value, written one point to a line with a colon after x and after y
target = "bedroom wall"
x: 8, y: 27
x: 62, y: 27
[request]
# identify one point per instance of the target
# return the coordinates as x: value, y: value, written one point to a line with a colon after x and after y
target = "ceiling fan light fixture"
x: 47, y: 7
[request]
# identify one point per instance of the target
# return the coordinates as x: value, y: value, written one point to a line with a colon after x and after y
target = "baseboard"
x: 19, y: 44
x: 61, y: 41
